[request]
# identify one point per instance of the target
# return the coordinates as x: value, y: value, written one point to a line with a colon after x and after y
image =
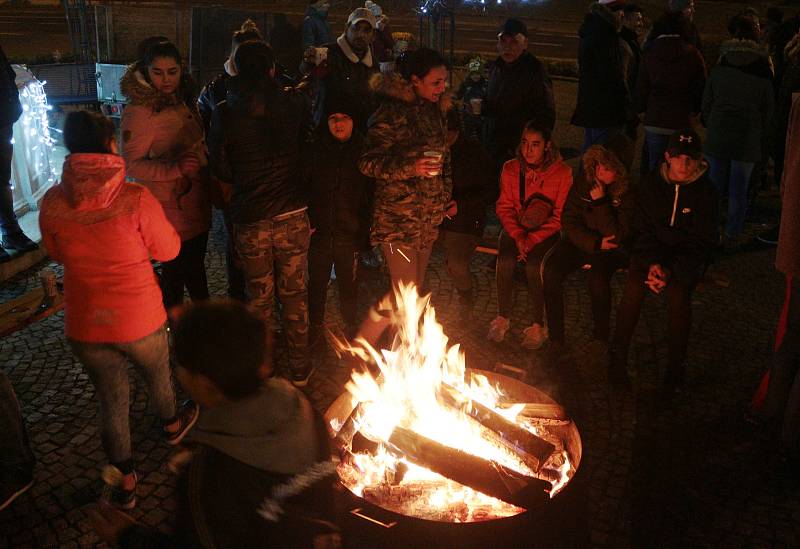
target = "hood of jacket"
x: 668, y: 47
x: 92, y: 181
x: 272, y: 430
x: 599, y: 20
x: 311, y: 11
x: 397, y: 88
x: 702, y: 167
x: 139, y: 91
x: 741, y: 53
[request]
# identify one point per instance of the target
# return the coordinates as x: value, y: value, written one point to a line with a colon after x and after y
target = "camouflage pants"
x: 276, y: 252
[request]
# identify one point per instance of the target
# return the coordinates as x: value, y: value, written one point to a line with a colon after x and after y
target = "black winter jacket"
x: 338, y: 193
x: 475, y: 186
x: 517, y: 93
x: 10, y: 107
x: 254, y: 143
x: 586, y: 221
x: 603, y: 94
x: 675, y: 225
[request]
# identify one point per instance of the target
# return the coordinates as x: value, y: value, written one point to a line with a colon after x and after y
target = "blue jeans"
x: 733, y: 175
x: 598, y: 136
x: 656, y: 147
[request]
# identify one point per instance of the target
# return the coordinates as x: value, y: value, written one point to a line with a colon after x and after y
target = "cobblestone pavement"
x: 656, y: 473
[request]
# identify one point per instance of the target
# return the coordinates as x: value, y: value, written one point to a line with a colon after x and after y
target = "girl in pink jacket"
x: 164, y: 148
x: 105, y: 231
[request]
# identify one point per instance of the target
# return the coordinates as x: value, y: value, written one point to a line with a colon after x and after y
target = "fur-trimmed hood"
x: 139, y: 91
x: 397, y: 88
x: 740, y: 53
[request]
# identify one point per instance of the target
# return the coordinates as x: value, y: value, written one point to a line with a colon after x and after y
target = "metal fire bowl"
x: 515, y: 391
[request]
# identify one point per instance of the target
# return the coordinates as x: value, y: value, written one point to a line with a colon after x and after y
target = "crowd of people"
x: 366, y: 152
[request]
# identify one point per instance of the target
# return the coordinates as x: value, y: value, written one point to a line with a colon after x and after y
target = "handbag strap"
x: 521, y: 184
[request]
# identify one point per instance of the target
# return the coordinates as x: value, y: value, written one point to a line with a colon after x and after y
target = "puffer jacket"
x: 552, y: 179
x: 316, y: 29
x: 254, y: 143
x: 10, y: 107
x: 105, y: 231
x: 787, y: 259
x: 516, y: 93
x: 675, y: 224
x: 603, y: 95
x: 157, y: 131
x: 338, y: 193
x: 671, y: 82
x: 407, y: 209
x: 587, y: 221
x: 738, y: 102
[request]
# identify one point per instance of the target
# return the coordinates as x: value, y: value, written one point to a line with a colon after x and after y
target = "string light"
x: 36, y: 129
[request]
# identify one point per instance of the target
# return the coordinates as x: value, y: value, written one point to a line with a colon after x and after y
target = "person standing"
x: 316, y: 29
x: 338, y: 195
x: 603, y: 94
x: 474, y: 188
x: 16, y: 458
x: 383, y: 45
x: 164, y: 149
x: 105, y: 231
x: 738, y: 103
x: 670, y: 87
x: 674, y: 232
x: 11, y: 235
x: 533, y: 189
x: 254, y: 144
x: 346, y: 68
x: 519, y: 90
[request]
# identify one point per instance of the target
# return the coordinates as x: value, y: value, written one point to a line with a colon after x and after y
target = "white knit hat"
x: 374, y: 8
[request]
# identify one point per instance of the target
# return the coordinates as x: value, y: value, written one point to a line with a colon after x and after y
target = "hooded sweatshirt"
x: 552, y: 179
x: 158, y: 130
x: 675, y: 224
x: 105, y: 231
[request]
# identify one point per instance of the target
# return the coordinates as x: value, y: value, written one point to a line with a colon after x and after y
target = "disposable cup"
x: 476, y: 104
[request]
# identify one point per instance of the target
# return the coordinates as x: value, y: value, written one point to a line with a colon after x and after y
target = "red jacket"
x: 104, y: 231
x: 553, y: 180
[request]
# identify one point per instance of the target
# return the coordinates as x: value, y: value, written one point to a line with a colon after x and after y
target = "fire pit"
x: 429, y: 441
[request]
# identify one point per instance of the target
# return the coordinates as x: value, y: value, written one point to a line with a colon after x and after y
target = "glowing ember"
x: 414, y: 391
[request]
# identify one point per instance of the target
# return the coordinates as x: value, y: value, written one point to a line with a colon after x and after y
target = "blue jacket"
x: 316, y: 30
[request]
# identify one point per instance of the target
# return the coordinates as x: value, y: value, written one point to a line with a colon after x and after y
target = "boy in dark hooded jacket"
x: 338, y: 198
x: 674, y: 232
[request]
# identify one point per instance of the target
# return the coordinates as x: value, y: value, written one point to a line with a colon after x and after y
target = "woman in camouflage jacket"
x: 406, y: 153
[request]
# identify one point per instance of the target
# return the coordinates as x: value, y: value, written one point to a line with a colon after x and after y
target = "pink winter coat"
x: 104, y: 231
x: 155, y: 135
x: 787, y: 259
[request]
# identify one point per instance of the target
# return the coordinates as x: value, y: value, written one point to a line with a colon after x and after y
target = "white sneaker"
x: 498, y: 328
x: 534, y: 337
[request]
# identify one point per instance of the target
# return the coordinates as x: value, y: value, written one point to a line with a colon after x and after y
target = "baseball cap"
x: 685, y: 141
x: 513, y: 27
x: 612, y: 4
x: 361, y: 14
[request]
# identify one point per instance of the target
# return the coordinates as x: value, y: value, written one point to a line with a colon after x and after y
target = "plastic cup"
x: 436, y: 155
x: 476, y: 104
x: 320, y: 56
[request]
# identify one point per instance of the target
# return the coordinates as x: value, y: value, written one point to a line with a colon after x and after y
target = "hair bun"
x: 249, y: 25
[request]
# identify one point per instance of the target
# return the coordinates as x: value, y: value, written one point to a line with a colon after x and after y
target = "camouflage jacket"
x: 407, y: 209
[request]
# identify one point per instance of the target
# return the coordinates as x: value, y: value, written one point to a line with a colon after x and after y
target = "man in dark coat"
x: 474, y: 188
x: 11, y: 235
x: 674, y: 231
x: 603, y: 95
x: 346, y: 70
x: 519, y: 91
x: 338, y: 209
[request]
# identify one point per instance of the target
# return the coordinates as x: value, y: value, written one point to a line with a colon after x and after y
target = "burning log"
x: 533, y: 450
x: 486, y: 477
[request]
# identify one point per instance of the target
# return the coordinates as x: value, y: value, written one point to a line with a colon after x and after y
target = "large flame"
x: 408, y: 394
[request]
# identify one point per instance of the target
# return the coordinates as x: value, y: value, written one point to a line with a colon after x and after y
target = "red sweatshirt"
x: 104, y: 231
x: 553, y: 180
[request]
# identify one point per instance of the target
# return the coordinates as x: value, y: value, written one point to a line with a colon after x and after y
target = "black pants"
x: 8, y: 220
x: 322, y: 255
x: 679, y: 307
x: 506, y: 263
x: 16, y: 459
x: 236, y: 283
x: 189, y: 270
x: 566, y: 258
x: 459, y: 248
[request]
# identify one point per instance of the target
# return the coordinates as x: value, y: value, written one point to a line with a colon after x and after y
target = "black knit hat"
x: 341, y: 104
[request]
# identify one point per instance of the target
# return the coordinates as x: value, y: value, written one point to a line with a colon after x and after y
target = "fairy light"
x: 36, y: 128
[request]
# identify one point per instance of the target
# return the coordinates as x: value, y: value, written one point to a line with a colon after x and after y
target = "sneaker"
x: 113, y: 493
x: 187, y: 415
x: 18, y: 241
x: 299, y: 378
x: 534, y: 336
x: 498, y: 328
x: 12, y: 489
x: 769, y: 237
